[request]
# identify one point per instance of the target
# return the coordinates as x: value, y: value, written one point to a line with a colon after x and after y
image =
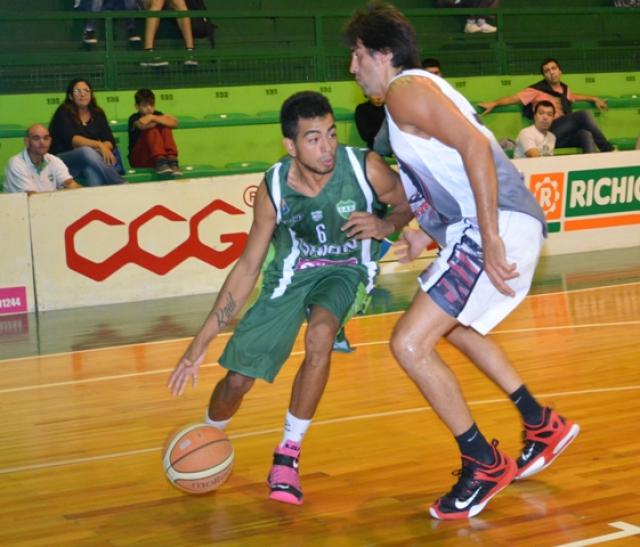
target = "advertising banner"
x: 16, y: 275
x: 137, y: 242
x: 591, y: 201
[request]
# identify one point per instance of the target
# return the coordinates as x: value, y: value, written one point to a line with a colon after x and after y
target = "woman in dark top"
x: 82, y: 138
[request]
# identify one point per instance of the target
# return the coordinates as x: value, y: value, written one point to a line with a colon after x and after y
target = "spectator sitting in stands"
x: 89, y: 36
x: 570, y: 128
x: 151, y: 27
x: 34, y: 169
x: 371, y: 126
x: 432, y: 65
x: 474, y: 24
x: 151, y: 141
x: 370, y: 117
x: 536, y: 140
x: 83, y: 139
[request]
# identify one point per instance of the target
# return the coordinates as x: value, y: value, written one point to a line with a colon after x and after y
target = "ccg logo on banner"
x: 133, y: 253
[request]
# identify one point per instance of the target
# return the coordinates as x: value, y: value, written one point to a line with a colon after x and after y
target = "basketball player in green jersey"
x: 323, y: 209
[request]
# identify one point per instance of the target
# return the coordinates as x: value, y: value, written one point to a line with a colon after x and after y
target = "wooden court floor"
x: 82, y: 433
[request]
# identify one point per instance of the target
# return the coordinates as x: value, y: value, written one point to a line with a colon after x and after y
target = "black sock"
x: 527, y: 405
x: 473, y: 444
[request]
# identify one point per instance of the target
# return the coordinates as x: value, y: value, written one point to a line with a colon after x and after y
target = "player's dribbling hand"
x: 497, y: 267
x: 187, y: 368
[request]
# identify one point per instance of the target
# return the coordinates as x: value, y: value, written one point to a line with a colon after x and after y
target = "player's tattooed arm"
x: 225, y: 313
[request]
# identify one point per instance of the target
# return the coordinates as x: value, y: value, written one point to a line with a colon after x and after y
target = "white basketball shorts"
x: 457, y: 282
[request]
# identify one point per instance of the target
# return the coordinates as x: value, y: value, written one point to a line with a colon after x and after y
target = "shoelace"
x: 526, y: 440
x: 466, y: 483
x: 529, y: 445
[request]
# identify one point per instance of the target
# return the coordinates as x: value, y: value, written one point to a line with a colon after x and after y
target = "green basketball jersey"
x: 308, y: 233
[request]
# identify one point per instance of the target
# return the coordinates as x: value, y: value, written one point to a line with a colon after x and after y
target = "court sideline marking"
x: 627, y: 530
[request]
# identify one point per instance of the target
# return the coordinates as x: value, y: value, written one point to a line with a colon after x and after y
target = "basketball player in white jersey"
x: 471, y: 200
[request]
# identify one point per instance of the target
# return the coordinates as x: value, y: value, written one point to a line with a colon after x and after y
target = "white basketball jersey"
x: 435, y: 179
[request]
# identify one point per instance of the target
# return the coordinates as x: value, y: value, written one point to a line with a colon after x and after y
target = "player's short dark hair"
x: 546, y: 61
x: 304, y: 104
x: 145, y: 95
x: 548, y: 104
x: 382, y: 27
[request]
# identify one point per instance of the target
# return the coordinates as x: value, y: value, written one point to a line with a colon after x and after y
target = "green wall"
x: 218, y: 146
x: 273, y: 41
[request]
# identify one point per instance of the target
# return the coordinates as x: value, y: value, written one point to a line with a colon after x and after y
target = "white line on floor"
x: 628, y: 530
x: 259, y: 432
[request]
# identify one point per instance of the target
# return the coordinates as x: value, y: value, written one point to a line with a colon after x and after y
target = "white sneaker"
x: 485, y: 27
x: 153, y: 61
x: 472, y: 27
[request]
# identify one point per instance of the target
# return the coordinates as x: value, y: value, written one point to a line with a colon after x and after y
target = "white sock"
x: 472, y: 21
x: 294, y: 429
x: 480, y: 21
x: 219, y: 424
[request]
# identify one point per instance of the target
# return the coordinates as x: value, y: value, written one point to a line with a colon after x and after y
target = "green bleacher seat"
x: 12, y: 130
x: 270, y: 114
x: 624, y: 143
x: 625, y: 101
x: 343, y: 114
x: 238, y: 167
x: 567, y: 151
x: 141, y: 174
x: 146, y: 174
x: 227, y: 116
x: 199, y: 170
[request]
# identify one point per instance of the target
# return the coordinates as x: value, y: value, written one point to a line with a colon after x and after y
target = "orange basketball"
x: 198, y: 458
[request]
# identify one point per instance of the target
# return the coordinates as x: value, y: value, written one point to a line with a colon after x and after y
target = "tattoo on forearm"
x: 224, y: 314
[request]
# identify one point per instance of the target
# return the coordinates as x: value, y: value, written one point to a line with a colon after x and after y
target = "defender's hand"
x: 410, y: 244
x: 497, y: 267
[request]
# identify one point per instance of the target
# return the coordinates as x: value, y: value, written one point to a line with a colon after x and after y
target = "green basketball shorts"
x: 263, y: 338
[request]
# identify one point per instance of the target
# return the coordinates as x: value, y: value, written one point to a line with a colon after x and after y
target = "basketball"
x: 198, y: 458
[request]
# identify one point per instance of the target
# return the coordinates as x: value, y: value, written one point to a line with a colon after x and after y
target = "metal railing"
x: 42, y: 51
